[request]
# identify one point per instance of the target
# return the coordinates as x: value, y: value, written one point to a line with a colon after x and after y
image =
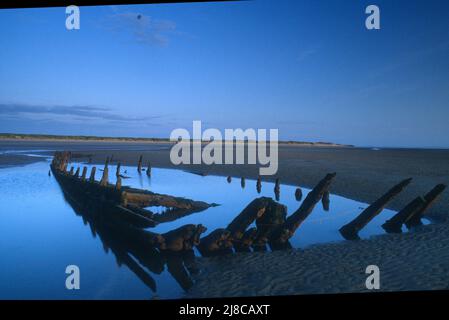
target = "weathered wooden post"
x: 105, y: 176
x: 272, y: 219
x: 254, y: 210
x: 124, y: 199
x: 293, y: 222
x: 298, y: 194
x: 118, y: 184
x: 394, y: 225
x: 139, y: 164
x: 325, y: 201
x: 309, y: 203
x: 242, y: 182
x: 92, y: 174
x: 244, y: 244
x: 350, y: 230
x: 195, y: 239
x: 259, y: 185
x: 215, y: 243
x: 149, y: 169
x: 176, y: 240
x: 117, y: 171
x: 430, y: 198
x: 84, y: 174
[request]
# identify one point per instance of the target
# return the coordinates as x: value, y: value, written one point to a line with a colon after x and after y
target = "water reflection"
x: 326, y: 201
x: 131, y: 246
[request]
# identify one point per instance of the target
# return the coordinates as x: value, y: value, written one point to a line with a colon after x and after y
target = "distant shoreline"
x: 59, y: 138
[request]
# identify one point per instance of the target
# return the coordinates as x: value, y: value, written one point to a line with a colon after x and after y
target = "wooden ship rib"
x: 125, y: 202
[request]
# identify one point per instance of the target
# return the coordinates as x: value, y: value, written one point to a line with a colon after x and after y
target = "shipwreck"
x: 262, y: 224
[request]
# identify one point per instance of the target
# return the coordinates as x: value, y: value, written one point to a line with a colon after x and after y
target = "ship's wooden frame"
x: 127, y: 205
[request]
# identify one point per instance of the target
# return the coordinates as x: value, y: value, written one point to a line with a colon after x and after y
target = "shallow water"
x: 41, y: 234
x: 19, y: 147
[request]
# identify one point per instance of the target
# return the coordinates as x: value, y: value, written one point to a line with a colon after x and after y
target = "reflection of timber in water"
x: 133, y: 247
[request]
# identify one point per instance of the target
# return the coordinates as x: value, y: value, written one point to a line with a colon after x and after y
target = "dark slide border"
x: 359, y: 305
x: 65, y: 3
x: 380, y: 305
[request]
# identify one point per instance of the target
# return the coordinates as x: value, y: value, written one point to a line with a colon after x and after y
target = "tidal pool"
x: 42, y: 235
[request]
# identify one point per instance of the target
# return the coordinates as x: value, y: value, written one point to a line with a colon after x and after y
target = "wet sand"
x: 413, y: 261
x: 14, y: 160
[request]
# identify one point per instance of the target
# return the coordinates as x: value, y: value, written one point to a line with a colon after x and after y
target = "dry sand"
x: 417, y: 260
x: 411, y: 261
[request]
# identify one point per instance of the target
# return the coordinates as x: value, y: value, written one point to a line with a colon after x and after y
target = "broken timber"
x: 253, y: 211
x: 273, y: 218
x: 430, y: 198
x: 182, y: 238
x: 394, y: 225
x: 245, y: 242
x: 259, y: 185
x: 217, y: 242
x: 287, y: 229
x: 350, y: 230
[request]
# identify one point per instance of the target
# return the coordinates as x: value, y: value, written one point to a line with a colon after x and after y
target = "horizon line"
x: 43, y: 137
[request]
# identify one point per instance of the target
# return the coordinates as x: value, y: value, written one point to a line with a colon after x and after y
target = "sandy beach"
x: 416, y: 260
x: 411, y: 261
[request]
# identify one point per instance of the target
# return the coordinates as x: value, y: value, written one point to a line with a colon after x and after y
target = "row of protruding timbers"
x: 272, y: 226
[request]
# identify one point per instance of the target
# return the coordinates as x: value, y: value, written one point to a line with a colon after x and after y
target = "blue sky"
x: 308, y: 68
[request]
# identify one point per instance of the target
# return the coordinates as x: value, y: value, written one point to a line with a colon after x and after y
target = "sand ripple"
x: 416, y: 260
